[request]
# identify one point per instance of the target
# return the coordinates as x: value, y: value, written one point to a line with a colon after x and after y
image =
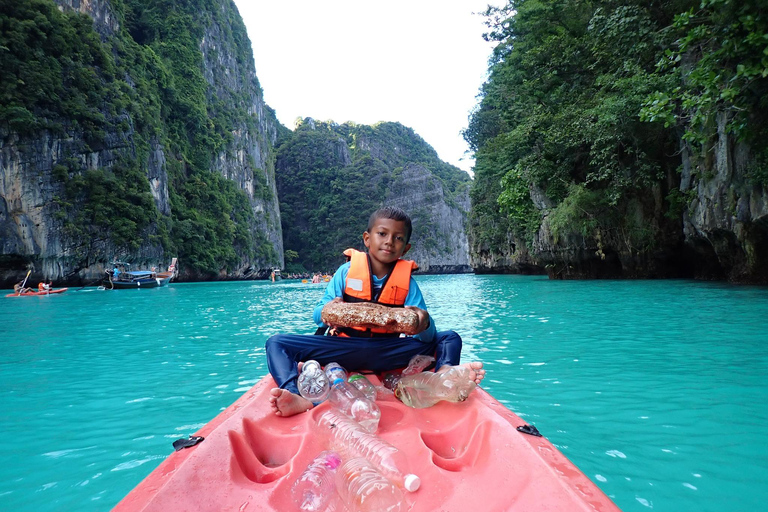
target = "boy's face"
x: 386, y: 240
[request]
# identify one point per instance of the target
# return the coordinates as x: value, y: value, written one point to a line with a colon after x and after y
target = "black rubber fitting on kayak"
x: 182, y: 443
x: 529, y: 429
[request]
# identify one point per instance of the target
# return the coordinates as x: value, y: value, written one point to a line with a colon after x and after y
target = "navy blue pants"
x: 284, y: 351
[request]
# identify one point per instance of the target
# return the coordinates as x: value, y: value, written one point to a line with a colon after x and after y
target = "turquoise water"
x: 657, y: 390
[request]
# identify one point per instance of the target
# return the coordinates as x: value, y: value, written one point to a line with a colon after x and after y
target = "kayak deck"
x: 469, y: 456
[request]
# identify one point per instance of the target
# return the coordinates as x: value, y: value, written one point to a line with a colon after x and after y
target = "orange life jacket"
x: 358, y: 287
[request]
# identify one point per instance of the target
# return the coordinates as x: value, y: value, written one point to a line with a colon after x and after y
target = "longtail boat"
x: 121, y: 278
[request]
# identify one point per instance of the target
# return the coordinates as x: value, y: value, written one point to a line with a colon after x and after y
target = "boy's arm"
x: 416, y: 299
x: 334, y: 289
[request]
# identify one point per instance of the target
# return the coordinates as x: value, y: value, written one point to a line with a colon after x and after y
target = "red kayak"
x: 33, y: 293
x: 469, y: 456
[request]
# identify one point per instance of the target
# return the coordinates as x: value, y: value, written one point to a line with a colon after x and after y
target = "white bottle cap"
x: 412, y: 482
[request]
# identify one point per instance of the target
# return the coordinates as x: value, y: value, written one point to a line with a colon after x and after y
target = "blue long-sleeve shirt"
x: 336, y: 286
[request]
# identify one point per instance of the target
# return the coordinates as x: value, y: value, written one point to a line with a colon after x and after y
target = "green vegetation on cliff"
x: 331, y: 177
x: 585, y: 105
x: 141, y: 88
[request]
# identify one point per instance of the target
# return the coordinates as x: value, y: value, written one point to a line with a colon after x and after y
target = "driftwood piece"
x: 369, y: 315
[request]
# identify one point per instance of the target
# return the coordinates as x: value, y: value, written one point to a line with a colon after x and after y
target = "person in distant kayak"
x: 42, y: 286
x: 19, y: 288
x: 378, y: 276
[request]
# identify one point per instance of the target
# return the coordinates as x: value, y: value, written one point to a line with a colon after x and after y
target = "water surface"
x: 657, y: 390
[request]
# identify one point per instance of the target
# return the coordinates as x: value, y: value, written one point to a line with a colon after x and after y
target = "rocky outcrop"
x: 35, y: 232
x: 249, y: 159
x: 332, y: 177
x: 439, y: 241
x: 31, y: 196
x: 105, y: 21
x: 719, y: 231
x: 726, y: 221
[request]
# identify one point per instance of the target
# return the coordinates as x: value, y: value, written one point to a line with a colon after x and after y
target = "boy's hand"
x: 423, y: 318
x: 332, y: 301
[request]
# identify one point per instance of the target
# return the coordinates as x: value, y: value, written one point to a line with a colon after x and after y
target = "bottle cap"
x: 355, y: 377
x: 412, y: 482
x: 337, y: 380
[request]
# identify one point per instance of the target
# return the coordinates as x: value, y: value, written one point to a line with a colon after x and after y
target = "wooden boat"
x: 33, y: 293
x: 469, y: 456
x: 125, y: 278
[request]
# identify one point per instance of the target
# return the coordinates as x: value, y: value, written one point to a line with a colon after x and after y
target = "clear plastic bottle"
x: 415, y: 365
x: 335, y: 371
x: 364, y: 385
x: 364, y: 489
x: 352, y: 440
x: 316, y: 486
x: 352, y: 402
x: 425, y: 389
x: 313, y: 383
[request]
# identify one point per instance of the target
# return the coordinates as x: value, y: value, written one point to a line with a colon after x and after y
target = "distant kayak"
x: 472, y: 455
x: 34, y: 293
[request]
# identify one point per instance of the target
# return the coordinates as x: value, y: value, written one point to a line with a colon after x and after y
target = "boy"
x: 378, y: 276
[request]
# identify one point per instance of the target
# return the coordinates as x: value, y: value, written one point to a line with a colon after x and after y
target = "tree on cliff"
x: 584, y: 108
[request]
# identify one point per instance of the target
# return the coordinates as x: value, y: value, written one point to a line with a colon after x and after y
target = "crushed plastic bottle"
x: 352, y: 402
x: 425, y: 389
x: 364, y: 489
x: 416, y: 365
x: 313, y: 383
x: 351, y: 440
x: 313, y: 490
x: 363, y: 385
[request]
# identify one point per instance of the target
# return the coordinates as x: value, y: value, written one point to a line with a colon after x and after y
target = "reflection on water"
x: 655, y: 389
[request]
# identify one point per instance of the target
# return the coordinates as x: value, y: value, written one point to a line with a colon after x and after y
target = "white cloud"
x: 417, y: 62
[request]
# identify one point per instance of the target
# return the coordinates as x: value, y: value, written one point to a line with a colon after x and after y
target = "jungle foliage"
x: 331, y: 177
x: 144, y: 84
x: 587, y: 101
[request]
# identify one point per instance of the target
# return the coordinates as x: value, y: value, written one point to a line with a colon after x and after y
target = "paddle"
x: 24, y: 282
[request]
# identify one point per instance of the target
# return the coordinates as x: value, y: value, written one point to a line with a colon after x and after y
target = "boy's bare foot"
x: 476, y: 368
x: 284, y: 403
x: 476, y: 371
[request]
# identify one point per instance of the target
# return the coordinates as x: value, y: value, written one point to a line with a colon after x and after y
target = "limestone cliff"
x: 132, y: 152
x: 709, y: 222
x: 331, y: 177
x: 439, y: 243
x: 725, y: 223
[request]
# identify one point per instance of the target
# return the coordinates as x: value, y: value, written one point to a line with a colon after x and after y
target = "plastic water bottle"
x: 415, y: 365
x: 363, y: 385
x: 352, y: 440
x: 427, y: 388
x: 335, y: 371
x: 312, y: 382
x: 316, y: 485
x: 364, y: 489
x: 352, y: 402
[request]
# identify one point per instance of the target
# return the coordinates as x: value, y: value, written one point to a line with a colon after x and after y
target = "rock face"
x: 33, y: 231
x: 719, y: 231
x: 440, y: 240
x: 249, y: 160
x: 332, y: 177
x: 726, y: 222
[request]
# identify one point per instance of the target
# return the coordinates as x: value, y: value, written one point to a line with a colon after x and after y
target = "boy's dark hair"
x: 394, y: 213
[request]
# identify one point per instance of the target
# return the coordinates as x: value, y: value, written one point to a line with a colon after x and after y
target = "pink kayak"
x: 469, y: 455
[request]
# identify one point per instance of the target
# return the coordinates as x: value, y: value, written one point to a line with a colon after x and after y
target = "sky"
x: 417, y: 62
